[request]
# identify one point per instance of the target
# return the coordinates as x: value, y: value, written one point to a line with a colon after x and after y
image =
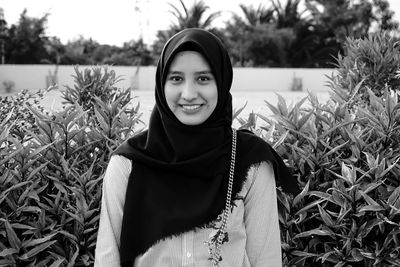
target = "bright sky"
x: 117, y: 21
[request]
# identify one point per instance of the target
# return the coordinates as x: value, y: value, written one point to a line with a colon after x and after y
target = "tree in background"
x: 383, y: 15
x: 285, y: 36
x: 335, y: 20
x: 299, y: 33
x: 132, y: 53
x: 55, y: 50
x: 3, y: 35
x: 238, y: 31
x: 89, y: 52
x: 308, y: 47
x: 25, y: 43
x: 261, y: 37
x: 192, y: 17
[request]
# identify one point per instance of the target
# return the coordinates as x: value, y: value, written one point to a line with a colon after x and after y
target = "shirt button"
x: 188, y: 255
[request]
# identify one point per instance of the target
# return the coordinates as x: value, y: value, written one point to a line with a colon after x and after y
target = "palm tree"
x: 192, y: 17
x: 287, y: 16
x: 255, y: 38
x: 257, y: 16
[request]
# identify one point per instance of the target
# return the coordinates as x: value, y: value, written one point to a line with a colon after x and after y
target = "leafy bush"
x: 374, y: 61
x: 13, y: 106
x: 50, y: 183
x: 93, y: 83
x: 348, y: 212
x: 347, y: 160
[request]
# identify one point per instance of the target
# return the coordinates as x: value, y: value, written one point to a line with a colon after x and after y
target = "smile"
x: 193, y: 107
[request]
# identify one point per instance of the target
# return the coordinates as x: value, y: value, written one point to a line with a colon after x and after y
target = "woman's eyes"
x: 200, y: 79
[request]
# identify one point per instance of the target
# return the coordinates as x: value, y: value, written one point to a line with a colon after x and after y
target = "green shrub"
x: 346, y: 155
x: 347, y: 160
x: 19, y: 115
x: 92, y: 83
x: 348, y: 213
x: 374, y: 60
x: 50, y: 183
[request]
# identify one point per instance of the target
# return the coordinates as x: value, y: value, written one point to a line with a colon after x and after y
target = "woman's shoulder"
x: 118, y: 169
x: 249, y: 139
x: 120, y: 162
x: 257, y: 174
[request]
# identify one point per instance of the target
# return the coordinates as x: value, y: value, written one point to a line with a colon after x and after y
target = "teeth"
x: 190, y: 107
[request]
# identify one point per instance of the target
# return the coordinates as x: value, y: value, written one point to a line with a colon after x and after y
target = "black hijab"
x: 179, y: 176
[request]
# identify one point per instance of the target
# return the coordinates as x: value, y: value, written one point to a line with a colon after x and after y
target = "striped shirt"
x: 252, y: 239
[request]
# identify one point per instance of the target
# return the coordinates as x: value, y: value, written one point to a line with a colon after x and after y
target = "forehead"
x: 186, y: 60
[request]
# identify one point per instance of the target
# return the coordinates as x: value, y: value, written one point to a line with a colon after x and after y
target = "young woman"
x: 192, y: 191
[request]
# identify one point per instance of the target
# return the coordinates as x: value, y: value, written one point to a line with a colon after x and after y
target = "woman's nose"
x: 189, y: 91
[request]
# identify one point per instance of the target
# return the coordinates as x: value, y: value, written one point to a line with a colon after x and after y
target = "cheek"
x: 213, y: 97
x: 170, y: 96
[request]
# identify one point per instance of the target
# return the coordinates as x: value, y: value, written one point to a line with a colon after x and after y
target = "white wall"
x: 279, y: 79
x: 33, y: 77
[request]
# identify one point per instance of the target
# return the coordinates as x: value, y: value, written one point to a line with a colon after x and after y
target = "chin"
x: 191, y: 121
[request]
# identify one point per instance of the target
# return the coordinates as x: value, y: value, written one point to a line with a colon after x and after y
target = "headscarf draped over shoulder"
x: 179, y: 176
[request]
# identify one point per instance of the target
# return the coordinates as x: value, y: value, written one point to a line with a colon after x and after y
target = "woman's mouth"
x: 191, y: 107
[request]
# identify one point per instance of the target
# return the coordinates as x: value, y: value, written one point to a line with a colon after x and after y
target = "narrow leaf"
x: 371, y: 208
x: 304, y: 192
x: 38, y: 241
x: 37, y: 250
x: 57, y: 263
x: 310, y: 233
x: 325, y: 216
x: 12, y: 237
x: 8, y: 251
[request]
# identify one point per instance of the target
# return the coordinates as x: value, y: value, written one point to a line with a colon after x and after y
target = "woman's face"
x: 190, y: 88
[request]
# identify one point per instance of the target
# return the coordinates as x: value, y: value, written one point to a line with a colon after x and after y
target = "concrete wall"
x: 35, y: 77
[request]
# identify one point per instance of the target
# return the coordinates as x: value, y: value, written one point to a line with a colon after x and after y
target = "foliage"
x: 312, y: 36
x: 79, y: 51
x: 94, y: 83
x: 87, y: 51
x: 50, y: 182
x: 267, y: 46
x: 132, y: 53
x: 373, y: 61
x: 298, y: 33
x: 347, y: 160
x: 323, y: 33
x: 384, y: 16
x: 25, y: 42
x: 13, y: 107
x: 255, y: 16
x: 257, y: 39
x: 191, y: 17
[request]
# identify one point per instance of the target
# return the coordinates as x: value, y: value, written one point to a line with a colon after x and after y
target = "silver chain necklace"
x: 221, y: 233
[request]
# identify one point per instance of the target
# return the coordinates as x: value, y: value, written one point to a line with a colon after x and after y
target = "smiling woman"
x: 190, y: 88
x: 191, y: 190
